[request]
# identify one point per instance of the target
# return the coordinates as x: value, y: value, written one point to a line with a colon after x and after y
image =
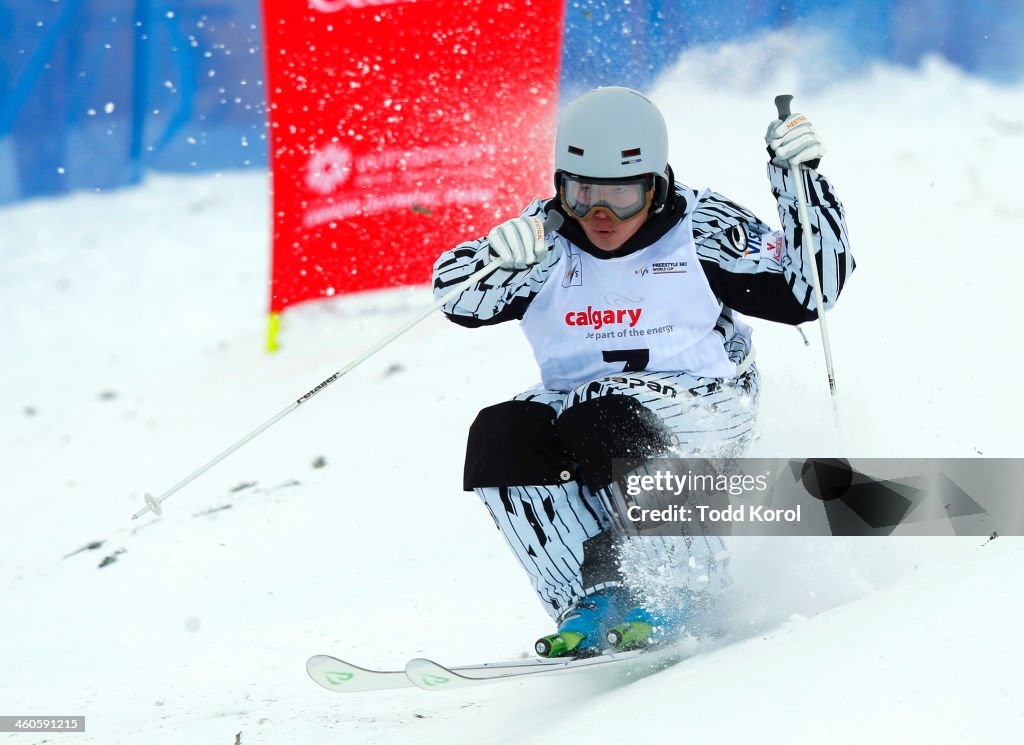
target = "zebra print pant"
x: 548, y: 526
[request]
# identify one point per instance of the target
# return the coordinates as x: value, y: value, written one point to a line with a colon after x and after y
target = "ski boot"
x: 643, y: 627
x: 583, y: 628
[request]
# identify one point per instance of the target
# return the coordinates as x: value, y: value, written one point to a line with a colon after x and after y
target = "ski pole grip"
x: 552, y: 222
x: 782, y: 105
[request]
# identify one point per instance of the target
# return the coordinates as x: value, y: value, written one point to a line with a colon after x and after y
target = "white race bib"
x: 652, y: 310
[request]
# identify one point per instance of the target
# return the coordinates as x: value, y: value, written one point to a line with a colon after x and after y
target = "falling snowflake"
x: 328, y: 168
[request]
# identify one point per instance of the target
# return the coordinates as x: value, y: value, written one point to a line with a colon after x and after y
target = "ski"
x: 338, y: 675
x: 432, y: 676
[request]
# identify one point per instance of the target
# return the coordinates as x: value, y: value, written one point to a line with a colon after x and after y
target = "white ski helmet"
x: 613, y: 132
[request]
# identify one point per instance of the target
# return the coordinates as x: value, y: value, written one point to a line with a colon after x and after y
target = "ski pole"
x: 155, y: 504
x: 782, y: 106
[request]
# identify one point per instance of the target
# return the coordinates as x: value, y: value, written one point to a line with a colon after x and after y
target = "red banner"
x: 398, y: 129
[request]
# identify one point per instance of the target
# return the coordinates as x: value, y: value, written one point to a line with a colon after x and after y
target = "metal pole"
x: 782, y: 104
x: 154, y: 504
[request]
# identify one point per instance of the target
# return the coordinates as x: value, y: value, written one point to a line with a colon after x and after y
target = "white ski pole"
x: 155, y: 504
x: 782, y: 105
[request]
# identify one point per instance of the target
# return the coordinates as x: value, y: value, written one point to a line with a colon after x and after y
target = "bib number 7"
x: 635, y: 359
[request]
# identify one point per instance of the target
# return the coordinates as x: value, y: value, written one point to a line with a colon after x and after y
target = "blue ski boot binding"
x: 642, y: 626
x: 584, y: 627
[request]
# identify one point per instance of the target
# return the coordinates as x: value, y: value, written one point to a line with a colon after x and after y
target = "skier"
x: 631, y: 307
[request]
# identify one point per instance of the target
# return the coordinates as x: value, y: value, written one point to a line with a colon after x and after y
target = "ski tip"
x: 430, y: 676
x: 344, y: 677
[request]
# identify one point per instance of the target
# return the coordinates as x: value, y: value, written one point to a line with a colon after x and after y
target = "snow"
x: 133, y: 330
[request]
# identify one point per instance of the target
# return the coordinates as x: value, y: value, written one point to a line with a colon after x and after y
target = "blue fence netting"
x: 94, y: 93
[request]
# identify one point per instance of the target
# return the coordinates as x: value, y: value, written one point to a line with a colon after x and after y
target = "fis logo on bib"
x: 573, y: 273
x: 599, y: 317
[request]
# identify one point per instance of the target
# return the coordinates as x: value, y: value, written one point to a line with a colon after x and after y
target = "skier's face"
x: 608, y: 234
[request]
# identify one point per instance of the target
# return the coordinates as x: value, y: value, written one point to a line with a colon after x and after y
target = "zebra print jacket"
x: 750, y: 267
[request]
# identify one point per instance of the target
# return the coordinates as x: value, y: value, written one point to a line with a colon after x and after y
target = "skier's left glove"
x: 519, y: 243
x: 794, y: 140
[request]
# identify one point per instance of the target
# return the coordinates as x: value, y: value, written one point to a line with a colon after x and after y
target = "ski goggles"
x: 623, y: 199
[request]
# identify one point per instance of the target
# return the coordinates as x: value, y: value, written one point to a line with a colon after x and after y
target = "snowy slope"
x: 133, y: 327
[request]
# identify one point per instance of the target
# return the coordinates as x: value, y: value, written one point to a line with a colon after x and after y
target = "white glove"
x: 519, y: 242
x: 794, y: 140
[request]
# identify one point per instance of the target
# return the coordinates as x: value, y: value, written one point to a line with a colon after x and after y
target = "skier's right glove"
x: 518, y: 243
